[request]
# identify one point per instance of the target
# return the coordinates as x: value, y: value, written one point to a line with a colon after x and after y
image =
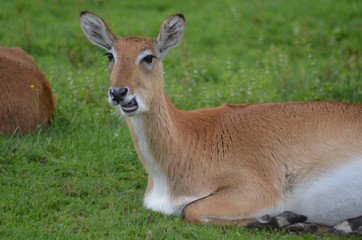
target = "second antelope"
x: 26, y: 98
x: 276, y: 164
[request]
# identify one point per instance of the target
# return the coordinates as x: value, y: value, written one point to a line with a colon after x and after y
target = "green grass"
x: 81, y: 177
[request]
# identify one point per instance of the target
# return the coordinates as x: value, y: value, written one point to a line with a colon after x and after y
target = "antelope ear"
x: 170, y: 34
x: 96, y: 30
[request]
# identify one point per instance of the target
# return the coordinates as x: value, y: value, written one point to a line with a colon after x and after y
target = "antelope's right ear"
x: 96, y: 30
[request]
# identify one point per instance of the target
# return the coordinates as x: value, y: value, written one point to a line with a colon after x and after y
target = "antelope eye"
x: 148, y: 59
x: 110, y: 56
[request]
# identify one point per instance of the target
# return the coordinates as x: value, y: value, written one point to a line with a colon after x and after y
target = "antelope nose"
x: 118, y: 95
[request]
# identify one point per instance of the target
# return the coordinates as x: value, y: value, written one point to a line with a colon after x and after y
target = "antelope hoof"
x: 347, y: 227
x: 282, y: 220
x: 304, y: 228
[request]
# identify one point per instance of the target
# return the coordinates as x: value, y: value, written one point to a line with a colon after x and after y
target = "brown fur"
x: 23, y: 108
x: 235, y: 161
x: 251, y: 153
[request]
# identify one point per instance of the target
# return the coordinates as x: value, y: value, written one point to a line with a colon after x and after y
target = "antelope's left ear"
x: 170, y: 34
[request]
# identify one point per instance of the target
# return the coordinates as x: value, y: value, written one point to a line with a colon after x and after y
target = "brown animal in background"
x: 26, y: 99
x: 249, y: 164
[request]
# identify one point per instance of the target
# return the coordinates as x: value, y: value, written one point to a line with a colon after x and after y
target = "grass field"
x: 81, y: 177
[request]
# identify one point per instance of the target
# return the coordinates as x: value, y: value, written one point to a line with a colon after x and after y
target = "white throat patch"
x: 158, y: 198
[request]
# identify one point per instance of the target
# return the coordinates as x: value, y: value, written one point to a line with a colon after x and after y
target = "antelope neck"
x: 155, y: 131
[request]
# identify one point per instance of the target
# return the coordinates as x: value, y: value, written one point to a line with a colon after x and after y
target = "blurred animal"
x: 26, y: 99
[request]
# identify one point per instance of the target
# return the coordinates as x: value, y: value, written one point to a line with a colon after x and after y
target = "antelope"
x: 26, y: 99
x: 292, y: 164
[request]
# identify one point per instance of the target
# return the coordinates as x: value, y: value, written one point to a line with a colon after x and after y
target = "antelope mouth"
x: 131, y: 106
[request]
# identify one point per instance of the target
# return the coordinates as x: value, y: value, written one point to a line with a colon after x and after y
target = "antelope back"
x: 26, y: 99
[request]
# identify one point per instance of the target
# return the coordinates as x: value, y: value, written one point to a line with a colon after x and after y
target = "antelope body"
x: 233, y: 163
x: 26, y: 99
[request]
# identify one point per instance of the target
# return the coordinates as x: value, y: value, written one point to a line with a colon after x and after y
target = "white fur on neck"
x: 158, y: 198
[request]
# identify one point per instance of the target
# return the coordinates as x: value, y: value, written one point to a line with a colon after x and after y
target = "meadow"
x: 81, y: 177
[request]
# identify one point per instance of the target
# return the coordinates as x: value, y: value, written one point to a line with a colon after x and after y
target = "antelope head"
x: 135, y: 65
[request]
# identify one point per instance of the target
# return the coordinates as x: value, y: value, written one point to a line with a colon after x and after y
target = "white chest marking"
x: 158, y: 199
